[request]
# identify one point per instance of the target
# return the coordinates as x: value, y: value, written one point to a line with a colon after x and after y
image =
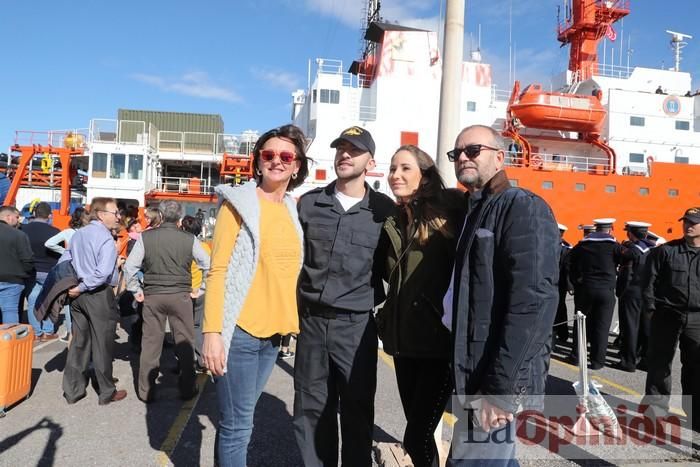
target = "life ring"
x: 46, y: 165
x: 536, y: 161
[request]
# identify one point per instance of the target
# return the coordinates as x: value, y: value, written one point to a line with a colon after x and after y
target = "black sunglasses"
x: 471, y: 151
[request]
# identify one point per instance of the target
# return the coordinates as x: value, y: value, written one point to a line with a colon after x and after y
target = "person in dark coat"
x: 593, y: 271
x: 561, y: 322
x: 420, y: 242
x: 629, y: 292
x: 503, y: 301
x: 671, y: 294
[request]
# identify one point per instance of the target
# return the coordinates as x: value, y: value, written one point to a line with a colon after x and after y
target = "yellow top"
x: 270, y: 306
x: 196, y: 272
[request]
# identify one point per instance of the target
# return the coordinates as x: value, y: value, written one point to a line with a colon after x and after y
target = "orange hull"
x: 625, y: 203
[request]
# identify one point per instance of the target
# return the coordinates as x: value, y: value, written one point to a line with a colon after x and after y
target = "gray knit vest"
x: 246, y: 251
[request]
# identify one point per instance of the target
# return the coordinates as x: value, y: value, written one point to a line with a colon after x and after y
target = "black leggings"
x: 425, y: 385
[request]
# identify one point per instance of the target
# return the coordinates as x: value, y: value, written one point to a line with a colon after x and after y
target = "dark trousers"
x: 643, y: 336
x: 94, y: 315
x: 336, y: 361
x: 425, y: 384
x: 668, y: 328
x: 598, y: 305
x: 198, y: 312
x: 177, y: 309
x: 629, y: 310
x: 561, y: 330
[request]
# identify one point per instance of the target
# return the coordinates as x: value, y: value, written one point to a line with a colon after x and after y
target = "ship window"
x: 637, y: 121
x: 681, y: 160
x: 330, y: 96
x: 673, y: 192
x: 513, y: 182
x: 610, y: 188
x: 99, y: 165
x: 644, y: 191
x: 313, y: 96
x: 471, y: 106
x: 580, y: 187
x: 682, y: 125
x: 135, y: 167
x: 636, y: 157
x: 117, y: 166
x: 547, y: 185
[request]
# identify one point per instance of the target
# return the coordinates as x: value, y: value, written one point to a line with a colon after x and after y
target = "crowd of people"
x: 465, y: 289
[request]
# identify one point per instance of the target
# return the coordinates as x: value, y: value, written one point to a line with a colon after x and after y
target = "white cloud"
x: 195, y: 84
x: 277, y: 78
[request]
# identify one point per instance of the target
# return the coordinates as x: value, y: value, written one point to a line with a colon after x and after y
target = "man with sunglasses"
x: 336, y: 359
x: 93, y: 255
x: 502, y: 302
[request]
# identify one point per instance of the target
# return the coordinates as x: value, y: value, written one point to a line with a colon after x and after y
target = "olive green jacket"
x: 410, y: 323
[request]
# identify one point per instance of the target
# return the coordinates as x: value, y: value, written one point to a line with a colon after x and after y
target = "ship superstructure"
x: 617, y: 141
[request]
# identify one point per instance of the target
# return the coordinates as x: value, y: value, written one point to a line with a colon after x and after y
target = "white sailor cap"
x: 562, y: 227
x: 637, y: 225
x: 586, y: 227
x: 604, y: 222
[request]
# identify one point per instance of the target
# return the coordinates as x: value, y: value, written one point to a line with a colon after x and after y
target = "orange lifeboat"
x: 536, y: 108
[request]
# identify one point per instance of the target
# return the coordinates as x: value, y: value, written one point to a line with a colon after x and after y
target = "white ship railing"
x: 614, y: 71
x: 184, y: 186
x: 134, y: 132
x: 499, y: 94
x: 55, y: 138
x: 560, y: 162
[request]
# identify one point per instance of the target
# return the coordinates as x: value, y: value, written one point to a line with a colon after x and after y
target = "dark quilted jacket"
x: 505, y: 296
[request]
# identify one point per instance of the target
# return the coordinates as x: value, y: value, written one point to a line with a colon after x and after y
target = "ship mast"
x: 450, y: 88
x: 586, y: 23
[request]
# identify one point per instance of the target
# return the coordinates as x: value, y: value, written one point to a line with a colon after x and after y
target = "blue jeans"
x: 249, y: 365
x: 46, y: 326
x: 10, y: 295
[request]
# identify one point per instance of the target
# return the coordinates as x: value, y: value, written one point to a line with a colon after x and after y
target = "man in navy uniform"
x: 593, y: 270
x: 629, y: 292
x: 561, y: 328
x: 671, y: 293
x: 586, y: 229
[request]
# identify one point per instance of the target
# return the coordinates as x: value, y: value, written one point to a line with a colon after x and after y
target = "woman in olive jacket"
x: 420, y: 243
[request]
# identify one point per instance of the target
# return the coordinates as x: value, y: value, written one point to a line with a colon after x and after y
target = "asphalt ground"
x: 45, y: 431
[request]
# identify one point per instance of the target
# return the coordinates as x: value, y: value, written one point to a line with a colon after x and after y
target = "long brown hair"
x: 425, y: 207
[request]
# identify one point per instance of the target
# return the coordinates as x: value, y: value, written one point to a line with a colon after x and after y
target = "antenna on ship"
x: 678, y: 43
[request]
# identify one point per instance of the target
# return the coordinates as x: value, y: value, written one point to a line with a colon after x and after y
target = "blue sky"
x: 65, y: 62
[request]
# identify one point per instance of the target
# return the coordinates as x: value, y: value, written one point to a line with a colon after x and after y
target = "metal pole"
x: 450, y: 88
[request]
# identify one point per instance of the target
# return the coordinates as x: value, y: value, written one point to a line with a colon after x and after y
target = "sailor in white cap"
x: 593, y: 268
x: 586, y: 229
x: 561, y: 328
x: 634, y: 330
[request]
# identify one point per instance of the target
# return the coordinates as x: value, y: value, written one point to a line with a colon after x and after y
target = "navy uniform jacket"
x: 339, y: 268
x: 594, y: 261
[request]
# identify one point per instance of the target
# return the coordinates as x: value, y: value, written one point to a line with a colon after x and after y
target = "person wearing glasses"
x: 251, y: 302
x: 340, y: 284
x: 93, y: 309
x: 502, y: 301
x: 421, y: 239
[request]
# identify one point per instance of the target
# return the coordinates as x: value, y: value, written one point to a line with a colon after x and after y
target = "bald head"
x: 9, y: 215
x: 479, y: 155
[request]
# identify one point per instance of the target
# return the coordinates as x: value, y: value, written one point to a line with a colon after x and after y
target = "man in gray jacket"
x: 165, y: 256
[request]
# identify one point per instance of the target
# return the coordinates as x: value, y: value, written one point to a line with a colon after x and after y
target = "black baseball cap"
x: 358, y: 137
x: 692, y: 215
